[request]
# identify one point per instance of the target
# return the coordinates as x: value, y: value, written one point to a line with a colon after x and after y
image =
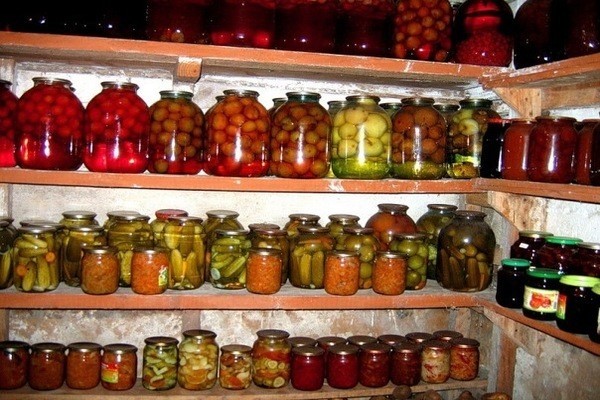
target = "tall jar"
x: 465, y: 137
x: 274, y: 238
x: 7, y: 238
x: 483, y: 33
x: 243, y: 23
x: 585, y: 261
x: 83, y: 365
x: 100, y: 270
x: 117, y: 126
x: 229, y: 258
x: 149, y: 270
x: 515, y: 149
x: 46, y: 366
x: 583, y: 155
x: 35, y: 262
x: 119, y: 366
x: 185, y: 241
x: 388, y: 220
x: 338, y: 222
x: 342, y: 366
x: 271, y: 359
x: 491, y: 148
x: 307, y: 256
x: 435, y: 361
x: 238, y: 130
x: 50, y: 119
x: 71, y: 250
x: 414, y: 247
x: 198, y: 360
x: 159, y: 364
x: 308, y: 368
x: 179, y: 21
x: 466, y: 253
x: 361, y: 139
x: 300, y: 132
x: 8, y: 124
x: 363, y: 242
x: 333, y: 106
x: 528, y: 244
x: 431, y: 223
x: 176, y: 134
x: 235, y: 367
x: 300, y: 219
x: 263, y: 271
x: 581, y: 26
x: 162, y: 217
x: 418, y: 140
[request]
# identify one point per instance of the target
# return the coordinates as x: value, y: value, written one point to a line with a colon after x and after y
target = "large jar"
x: 465, y: 137
x: 515, y: 149
x: 483, y: 33
x: 238, y: 128
x: 185, y: 241
x: 117, y: 126
x: 418, y: 140
x: 307, y: 256
x: 149, y: 270
x: 491, y: 148
x: 556, y: 253
x: 119, y: 366
x: 50, y: 120
x: 198, y: 360
x: 361, y: 140
x: 100, y: 270
x: 466, y: 253
x: 14, y: 360
x: 176, y: 134
x: 271, y: 359
x: 179, y: 21
x: 342, y: 366
x: 243, y: 23
x: 582, y: 29
x: 308, y: 368
x: 46, y: 366
x: 229, y: 258
x: 583, y: 155
x: 528, y: 244
x: 83, y: 365
x: 414, y: 247
x: 273, y: 238
x: 389, y: 220
x: 35, y: 262
x: 585, y: 261
x: 8, y: 124
x: 374, y: 363
x: 431, y: 223
x: 235, y: 367
x: 7, y: 238
x: 159, y: 364
x: 115, y: 19
x: 263, y: 271
x: 423, y: 30
x: 71, y: 250
x: 77, y: 218
x: 363, y: 242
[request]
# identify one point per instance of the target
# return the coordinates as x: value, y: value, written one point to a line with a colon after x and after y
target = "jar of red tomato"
x: 271, y: 359
x: 8, y: 126
x: 46, y: 366
x: 389, y: 220
x: 308, y: 368
x: 179, y: 21
x: 83, y: 365
x: 374, y: 361
x: 342, y: 366
x: 583, y: 156
x: 515, y: 148
x: 50, y: 120
x: 117, y: 125
x: 240, y: 23
x: 14, y: 359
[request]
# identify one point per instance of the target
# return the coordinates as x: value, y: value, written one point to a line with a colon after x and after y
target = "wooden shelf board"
x: 573, y: 192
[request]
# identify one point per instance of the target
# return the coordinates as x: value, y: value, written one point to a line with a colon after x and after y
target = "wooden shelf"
x: 573, y: 192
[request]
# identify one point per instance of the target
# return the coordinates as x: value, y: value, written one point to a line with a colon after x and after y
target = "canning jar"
x: 301, y: 341
x: 361, y: 340
x: 300, y: 133
x: 342, y: 366
x: 185, y: 241
x: 491, y: 148
x: 341, y: 272
x: 413, y: 246
x: 374, y: 361
x: 35, y: 261
x: 162, y: 217
x: 528, y: 244
x: 307, y: 256
x: 119, y: 366
x: 243, y: 23
x: 271, y: 359
x: 594, y: 333
x: 273, y: 238
x: 361, y: 139
x: 308, y: 368
x: 47, y: 363
x: 333, y: 106
x: 511, y: 282
x: 77, y: 218
x: 100, y: 270
x: 389, y: 220
x: 583, y: 155
x: 556, y: 253
x: 149, y: 270
x: 540, y: 298
x: 50, y: 119
x: 198, y: 360
x: 237, y: 134
x: 551, y: 153
x: 423, y: 30
x: 391, y: 108
x: 363, y: 242
x: 435, y: 361
x: 83, y: 365
x: 585, y: 261
x: 112, y: 216
x: 7, y: 239
x: 581, y: 25
x: 389, y: 273
x: 431, y: 223
x: 418, y: 140
x: 159, y: 364
x: 229, y: 259
x: 325, y: 342
x: 299, y: 219
x: 14, y: 359
x: 176, y: 134
x: 117, y: 126
x: 277, y: 101
x: 419, y: 337
x: 467, y: 128
x: 235, y: 367
x: 464, y: 359
x: 515, y: 149
x: 263, y: 271
x: 8, y: 124
x: 447, y: 335
x: 391, y: 339
x: 365, y: 27
x: 338, y: 222
x: 306, y: 25
x: 466, y: 253
x: 116, y: 19
x: 179, y: 21
x: 406, y: 364
x: 71, y: 250
x: 447, y: 110
x: 217, y: 219
x: 576, y: 311
x: 595, y: 164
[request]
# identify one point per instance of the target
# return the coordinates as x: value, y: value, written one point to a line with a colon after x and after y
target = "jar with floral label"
x: 229, y: 258
x: 307, y: 256
x: 363, y: 242
x: 185, y: 241
x: 159, y: 364
x: 100, y: 270
x: 14, y: 361
x: 263, y: 271
x: 47, y: 364
x: 273, y: 238
x: 71, y: 250
x: 35, y: 261
x: 179, y: 21
x: 243, y: 23
x: 8, y: 124
x: 83, y: 365
x: 198, y: 360
x: 431, y: 223
x: 388, y: 220
x: 414, y: 247
x: 235, y: 367
x: 119, y: 366
x: 435, y: 361
x: 271, y: 359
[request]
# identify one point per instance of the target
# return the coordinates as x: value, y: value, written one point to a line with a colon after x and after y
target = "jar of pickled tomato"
x: 119, y: 366
x: 300, y: 219
x: 342, y: 366
x: 149, y: 270
x: 83, y: 365
x: 99, y: 270
x: 515, y: 149
x: 271, y: 359
x: 586, y: 260
x: 179, y: 21
x: 308, y: 368
x: 263, y: 271
x: 198, y: 360
x: 435, y: 361
x: 406, y: 364
x: 583, y: 156
x: 338, y: 222
x: 431, y: 223
x: 273, y: 238
x: 14, y: 360
x: 414, y: 247
x: 8, y: 124
x: 235, y: 367
x: 389, y: 220
x: 374, y: 362
x: 159, y: 364
x: 229, y: 259
x: 243, y: 23
x: 389, y: 273
x: 307, y: 256
x: 117, y: 126
x: 464, y: 359
x: 46, y: 366
x: 50, y: 119
x: 363, y: 242
x: 35, y: 259
x: 185, y: 241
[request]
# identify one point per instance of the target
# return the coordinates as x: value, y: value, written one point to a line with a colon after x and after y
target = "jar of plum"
x: 300, y: 219
x: 391, y: 108
x: 338, y: 222
x: 239, y: 23
x: 515, y: 149
x: 238, y: 129
x: 435, y: 361
x: 300, y: 132
x: 185, y: 241
x: 35, y: 259
x: 528, y: 244
x: 556, y: 253
x: 586, y: 260
x: 342, y: 366
x: 583, y: 156
x: 119, y: 366
x: 363, y: 242
x: 406, y: 364
x: 361, y: 139
x: 159, y: 367
x: 307, y: 256
x: 14, y: 360
x: 176, y: 134
x: 179, y: 21
x: 308, y: 368
x: 374, y: 361
x: 414, y: 247
x: 198, y: 360
x: 423, y: 30
x: 229, y: 259
x: 389, y: 220
x: 83, y: 365
x: 46, y: 366
x: 431, y: 223
x: 271, y: 359
x: 50, y: 119
x: 235, y: 367
x: 8, y: 126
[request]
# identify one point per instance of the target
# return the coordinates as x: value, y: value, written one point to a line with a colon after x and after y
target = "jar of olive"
x: 307, y: 256
x: 435, y: 218
x: 363, y: 242
x: 414, y: 247
x: 184, y: 239
x: 35, y: 262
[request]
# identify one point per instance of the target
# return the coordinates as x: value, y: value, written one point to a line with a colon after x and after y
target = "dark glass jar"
x: 556, y: 253
x: 491, y: 148
x: 117, y: 124
x: 406, y: 364
x: 585, y: 261
x: 528, y: 244
x: 229, y: 259
x: 431, y: 223
x: 273, y: 238
x: 115, y: 19
x: 466, y: 253
x: 435, y: 361
x: 391, y: 339
x: 14, y: 360
x: 159, y: 364
x: 235, y: 367
x: 515, y: 149
x: 418, y: 140
x: 414, y: 247
x: 199, y: 360
x: 374, y: 361
x: 47, y: 363
x: 389, y: 220
x: 50, y: 119
x: 243, y: 23
x: 446, y: 335
x: 419, y: 337
x: 100, y: 270
x: 483, y: 33
x: 594, y: 333
x: 83, y: 365
x: 342, y: 366
x: 119, y: 366
x: 179, y: 21
x: 389, y: 273
x: 341, y: 272
x: 300, y: 133
x: 308, y: 368
x: 511, y: 282
x: 540, y: 298
x: 338, y: 222
x: 583, y: 155
x: 575, y: 311
x: 464, y: 359
x: 299, y: 219
x: 363, y: 242
x: 8, y: 124
x: 271, y: 359
x: 595, y: 163
x: 307, y: 256
x: 35, y: 259
x: 185, y: 240
x: 263, y: 271
x: 582, y: 28
x: 551, y: 152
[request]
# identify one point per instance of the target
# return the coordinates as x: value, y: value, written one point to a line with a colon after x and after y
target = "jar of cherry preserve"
x: 374, y: 360
x: 271, y: 359
x: 239, y: 23
x: 511, y: 282
x: 583, y: 156
x: 238, y: 134
x: 50, y: 119
x: 342, y: 366
x: 83, y: 365
x: 491, y: 148
x: 308, y: 368
x: 46, y: 366
x: 389, y: 220
x: 528, y: 244
x: 179, y: 21
x: 595, y: 163
x: 585, y: 261
x: 515, y: 149
x: 14, y: 359
x: 8, y: 126
x: 435, y: 361
x: 119, y: 366
x: 406, y: 364
x: 556, y: 253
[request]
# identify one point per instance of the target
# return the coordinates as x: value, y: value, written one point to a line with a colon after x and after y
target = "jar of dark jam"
x: 464, y: 359
x: 585, y: 261
x: 307, y: 256
x: 374, y: 361
x: 491, y: 148
x: 243, y: 23
x: 14, y: 359
x: 511, y: 282
x: 325, y: 342
x: 389, y: 220
x: 50, y: 137
x: 301, y: 341
x: 46, y: 366
x: 576, y: 312
x: 342, y: 366
x: 308, y: 368
x: 338, y: 222
x: 431, y: 223
x: 414, y: 247
x: 83, y: 365
x: 99, y: 270
x: 435, y: 361
x: 540, y: 296
x: 8, y: 127
x: 419, y: 337
x: 581, y: 25
x: 583, y: 156
x: 361, y: 340
x: 300, y: 219
x: 594, y: 332
x: 179, y: 21
x: 389, y: 273
x: 595, y: 163
x: 263, y: 271
x: 271, y: 359
x: 446, y: 335
x: 119, y: 366
x: 515, y: 149
x: 406, y: 364
x: 116, y: 19
x: 556, y: 253
x: 160, y: 363
x: 235, y: 367
x: 528, y: 244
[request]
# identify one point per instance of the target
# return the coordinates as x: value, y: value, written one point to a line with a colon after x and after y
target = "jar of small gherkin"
x: 274, y: 238
x: 159, y: 367
x: 185, y: 241
x: 7, y: 239
x: 229, y: 257
x: 271, y: 359
x: 162, y: 216
x: 337, y: 223
x: 71, y: 252
x: 198, y: 360
x: 435, y: 218
x: 36, y: 262
x: 363, y: 242
x: 217, y: 219
x: 307, y: 256
x: 414, y: 247
x: 300, y: 219
x: 111, y: 216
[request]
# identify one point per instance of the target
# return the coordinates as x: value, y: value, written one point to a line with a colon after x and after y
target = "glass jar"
x: 35, y: 259
x: 594, y: 333
x: 391, y: 339
x: 511, y: 282
x: 238, y: 133
x: 540, y: 298
x: 419, y: 337
x: 277, y: 101
x: 325, y: 342
x: 342, y: 366
x: 100, y: 270
x: 361, y: 139
x: 162, y: 217
x: 112, y: 216
x: 576, y: 311
x: 308, y: 368
x: 374, y: 362
x: 333, y: 106
x: 119, y: 366
x: 114, y: 19
x: 243, y: 23
x: 389, y: 220
x: 117, y: 126
x: 217, y: 219
x: 185, y: 241
x: 389, y: 273
x: 595, y: 163
x: 515, y: 149
x: 50, y: 119
x: 483, y: 33
x: 466, y: 253
x: 235, y: 367
x: 263, y: 271
x: 581, y: 26
x: 435, y: 361
x: 179, y: 21
x: 149, y: 270
x: 491, y: 148
x: 414, y: 247
x: 556, y: 253
x: 551, y: 150
x: 418, y: 140
x: 447, y: 335
x: 338, y: 222
x: 341, y: 272
x: 273, y: 238
x: 198, y: 360
x: 361, y: 340
x: 528, y: 244
x: 301, y: 341
x: 585, y: 261
x: 365, y: 27
x: 7, y: 239
x: 464, y: 359
x: 423, y: 30
x: 46, y: 369
x: 583, y: 155
x: 83, y: 365
x: 391, y: 108
x: 159, y: 365
x: 271, y: 359
x: 431, y: 223
x: 8, y: 124
x: 307, y: 256
x: 14, y: 359
x: 447, y: 110
x: 465, y: 137
x: 406, y: 364
x: 300, y: 132
x: 363, y: 242
x: 77, y: 218
x: 72, y: 250
x: 296, y: 220
x: 229, y: 259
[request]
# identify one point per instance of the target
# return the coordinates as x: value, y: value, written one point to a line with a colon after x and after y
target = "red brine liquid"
x: 249, y: 23
x: 8, y: 112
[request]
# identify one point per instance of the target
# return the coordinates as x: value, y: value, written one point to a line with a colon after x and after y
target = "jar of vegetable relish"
x: 235, y: 367
x: 8, y: 125
x: 149, y: 270
x: 540, y: 298
x: 431, y: 223
x: 243, y: 23
x: 14, y: 360
x: 389, y: 273
x: 342, y: 366
x: 341, y: 272
x: 273, y: 238
x: 198, y: 360
x: 83, y: 365
x: 414, y: 247
x: 585, y: 261
x: 307, y: 256
x: 159, y: 371
x: 308, y: 368
x: 271, y: 359
x: 363, y: 242
x: 185, y: 241
x: 576, y: 311
x: 464, y: 359
x: 556, y: 253
x: 119, y: 366
x: 263, y: 271
x: 515, y: 149
x: 406, y: 364
x: 71, y: 253
x: 179, y: 21
x: 46, y: 366
x: 435, y: 361
x: 389, y: 220
x: 374, y: 361
x: 229, y: 259
x: 99, y: 270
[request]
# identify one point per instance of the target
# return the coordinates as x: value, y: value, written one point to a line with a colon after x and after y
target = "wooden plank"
x: 4, y: 320
x: 526, y: 102
x: 506, y: 364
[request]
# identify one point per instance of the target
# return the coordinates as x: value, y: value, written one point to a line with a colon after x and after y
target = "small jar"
x: 435, y: 361
x: 308, y: 368
x: 179, y: 21
x: 99, y: 270
x: 342, y: 366
x: 374, y: 361
x: 300, y: 219
x: 419, y: 337
x: 594, y: 333
x: 119, y: 366
x: 576, y: 312
x: 8, y: 127
x: 414, y: 247
x: 73, y: 243
x: 47, y: 363
x: 406, y: 364
x: 515, y: 149
x: 83, y: 365
x: 35, y: 259
x: 446, y: 335
x: 235, y: 367
x: 229, y: 259
x: 271, y: 359
x: 528, y: 244
x: 159, y: 366
x: 464, y: 359
x: 391, y: 339
x: 243, y: 24
x: 556, y: 253
x: 338, y: 222
x: 363, y: 242
x: 491, y: 148
x: 585, y: 261
x: 307, y: 256
x: 389, y: 220
x: 540, y: 298
x: 342, y: 272
x: 276, y: 239
x: 511, y: 282
x: 198, y: 360
x: 361, y: 139
x: 149, y: 270
x: 389, y: 273
x: 361, y: 340
x: 431, y: 223
x: 14, y: 360
x: 162, y: 217
x: 325, y: 342
x: 263, y: 271
x: 185, y: 241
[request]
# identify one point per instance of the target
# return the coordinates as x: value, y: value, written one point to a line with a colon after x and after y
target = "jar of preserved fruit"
x: 116, y: 19
x: 229, y: 259
x: 162, y: 217
x: 338, y: 222
x: 342, y: 366
x: 583, y: 155
x: 238, y: 133
x: 419, y: 337
x: 179, y: 21
x: 491, y: 148
x: 47, y: 363
x: 423, y: 30
x: 389, y: 220
x: 176, y: 134
x: 435, y: 361
x: 263, y: 271
x: 406, y: 364
x: 414, y: 247
x: 581, y: 26
x: 198, y: 360
x: 119, y: 366
x: 8, y: 124
x: 365, y: 27
x: 271, y: 359
x: 528, y: 244
x: 273, y: 238
x: 585, y: 261
x: 149, y: 270
x: 515, y: 149
x: 14, y: 359
x: 83, y: 365
x: 464, y: 359
x: 511, y: 282
x: 576, y: 308
x: 418, y: 140
x: 243, y: 23
x: 299, y: 219
x: 361, y: 139
x: 99, y: 270
x: 341, y: 272
x: 363, y: 242
x: 556, y: 253
x: 35, y: 261
x: 117, y: 126
x: 185, y: 241
x: 389, y: 273
x: 361, y: 340
x: 431, y: 223
x: 465, y: 137
x: 300, y: 132
x: 72, y: 246
x: 50, y: 119
x: 235, y: 367
x: 540, y: 298
x: 307, y: 256
x: 277, y: 101
x: 594, y: 333
x: 159, y: 365
x: 374, y: 362
x: 466, y: 253
x: 308, y: 368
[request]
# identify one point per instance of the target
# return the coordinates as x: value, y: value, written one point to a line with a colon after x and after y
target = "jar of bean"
x: 8, y: 128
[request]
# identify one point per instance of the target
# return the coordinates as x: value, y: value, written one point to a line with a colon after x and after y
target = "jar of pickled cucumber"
x: 235, y: 367
x: 274, y: 239
x: 77, y: 218
x: 431, y: 223
x: 7, y: 238
x: 388, y: 220
x: 300, y: 219
x: 363, y: 242
x: 198, y: 360
x: 36, y: 259
x: 159, y: 365
x: 307, y: 256
x: 111, y: 217
x: 217, y: 219
x: 185, y: 241
x: 338, y: 222
x: 229, y: 258
x: 158, y: 223
x: 8, y: 130
x: 72, y: 246
x: 83, y: 365
x: 271, y: 359
x: 416, y: 250
x: 361, y: 147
